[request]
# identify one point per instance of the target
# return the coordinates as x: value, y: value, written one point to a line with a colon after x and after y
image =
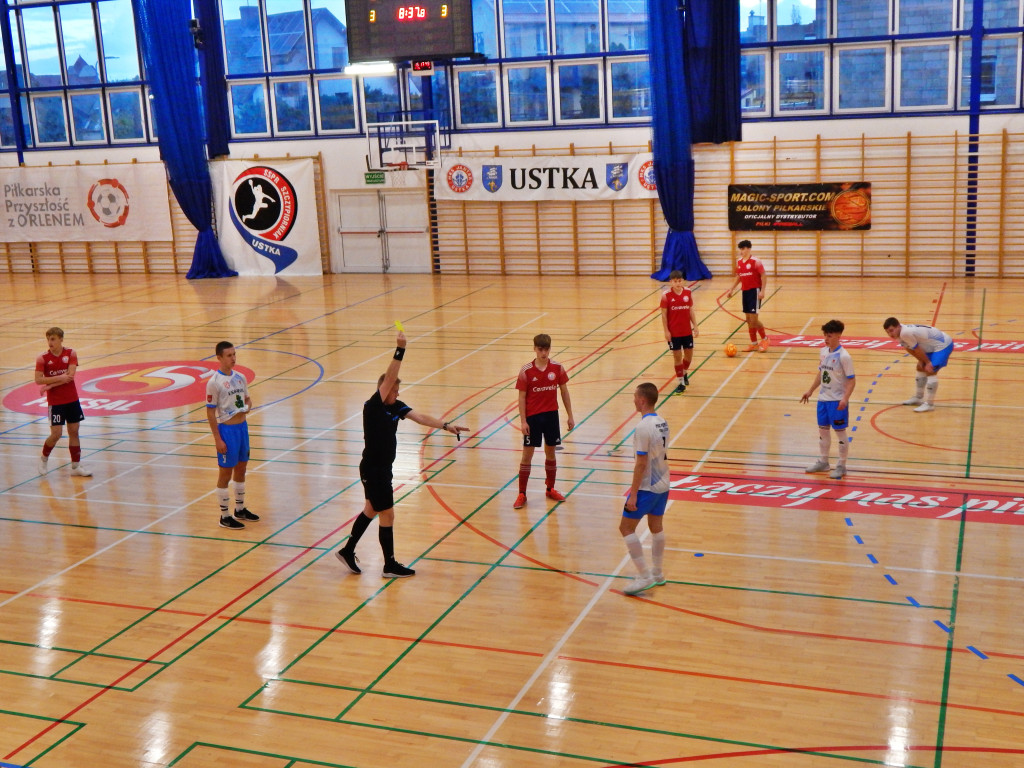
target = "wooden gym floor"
x: 806, y: 622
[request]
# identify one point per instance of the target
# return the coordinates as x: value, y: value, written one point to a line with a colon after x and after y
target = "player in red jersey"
x: 538, y: 414
x: 55, y: 374
x: 680, y: 323
x: 751, y: 278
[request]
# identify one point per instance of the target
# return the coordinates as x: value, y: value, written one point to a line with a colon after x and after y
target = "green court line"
x: 974, y: 413
x: 948, y: 670
x: 631, y: 307
x: 76, y: 727
x: 440, y: 306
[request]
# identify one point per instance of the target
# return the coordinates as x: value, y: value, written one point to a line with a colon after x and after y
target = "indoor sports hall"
x: 871, y: 620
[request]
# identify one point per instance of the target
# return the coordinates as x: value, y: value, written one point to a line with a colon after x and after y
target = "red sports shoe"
x: 554, y: 495
x: 520, y: 501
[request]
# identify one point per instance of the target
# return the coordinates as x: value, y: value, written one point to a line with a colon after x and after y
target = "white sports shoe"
x: 838, y: 473
x: 915, y: 400
x: 78, y: 469
x: 924, y: 408
x: 639, y: 584
x: 42, y: 465
x: 819, y: 466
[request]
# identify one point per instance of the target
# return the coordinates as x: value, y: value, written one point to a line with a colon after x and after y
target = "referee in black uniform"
x: 381, y: 414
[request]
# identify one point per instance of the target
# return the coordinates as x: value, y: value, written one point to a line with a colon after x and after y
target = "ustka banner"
x: 266, y: 216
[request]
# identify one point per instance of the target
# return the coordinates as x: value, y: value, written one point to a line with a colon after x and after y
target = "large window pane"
x: 579, y: 92
x: 330, y: 43
x: 249, y: 108
x: 41, y: 41
x: 380, y: 95
x: 862, y: 78
x: 243, y: 37
x: 577, y: 26
x: 286, y: 23
x: 998, y: 13
x: 7, y: 137
x: 998, y: 72
x: 87, y: 117
x: 527, y: 94
x: 862, y: 17
x: 627, y: 25
x: 336, y: 99
x: 125, y: 115
x: 291, y: 106
x: 16, y: 34
x: 526, y: 28
x: 924, y: 75
x: 925, y: 16
x: 801, y: 80
x: 478, y: 97
x: 631, y: 89
x: 117, y: 30
x: 79, y: 32
x: 798, y: 20
x: 485, y: 26
x: 438, y: 80
x: 51, y: 127
x: 753, y: 21
x: 753, y: 82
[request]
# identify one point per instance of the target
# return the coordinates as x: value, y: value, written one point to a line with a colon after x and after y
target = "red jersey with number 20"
x: 55, y: 365
x: 678, y: 306
x: 749, y: 272
x: 541, y: 387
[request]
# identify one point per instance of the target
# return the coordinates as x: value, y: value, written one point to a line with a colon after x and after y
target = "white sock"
x: 919, y: 381
x: 636, y: 552
x: 223, y: 497
x: 824, y: 442
x: 658, y: 550
x: 239, y: 497
x: 844, y: 447
x: 932, y: 387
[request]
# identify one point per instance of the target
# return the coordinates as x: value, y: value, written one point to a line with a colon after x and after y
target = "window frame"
x: 272, y: 105
x: 836, y: 74
x: 456, y: 91
x: 826, y: 76
x: 609, y: 65
x: 356, y: 111
x: 506, y: 96
x: 602, y: 107
x: 952, y: 72
x: 262, y: 82
x: 110, y: 92
x: 73, y: 137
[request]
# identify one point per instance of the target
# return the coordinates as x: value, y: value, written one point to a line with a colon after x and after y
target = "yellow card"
x: 399, y: 326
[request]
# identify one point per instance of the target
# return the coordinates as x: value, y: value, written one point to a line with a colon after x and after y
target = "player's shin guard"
x: 824, y: 442
x: 930, y: 389
x: 636, y: 552
x: 658, y: 550
x: 550, y: 469
x: 919, y: 383
x: 239, y: 497
x: 223, y: 497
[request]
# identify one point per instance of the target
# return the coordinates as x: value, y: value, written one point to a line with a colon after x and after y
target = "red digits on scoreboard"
x: 411, y: 12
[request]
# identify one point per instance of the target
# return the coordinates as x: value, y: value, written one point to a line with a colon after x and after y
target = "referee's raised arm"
x: 391, y: 374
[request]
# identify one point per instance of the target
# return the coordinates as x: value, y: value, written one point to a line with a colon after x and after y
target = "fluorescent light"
x: 370, y: 68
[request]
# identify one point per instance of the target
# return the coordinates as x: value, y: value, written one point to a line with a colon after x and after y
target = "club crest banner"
x: 266, y: 216
x: 85, y: 203
x: 527, y: 179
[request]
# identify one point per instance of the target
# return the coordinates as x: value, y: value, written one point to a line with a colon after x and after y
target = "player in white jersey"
x: 227, y: 402
x: 648, y: 494
x: 931, y: 348
x: 836, y: 379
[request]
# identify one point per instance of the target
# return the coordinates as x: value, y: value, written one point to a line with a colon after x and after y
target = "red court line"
x: 607, y: 440
x: 938, y: 303
x: 881, y: 431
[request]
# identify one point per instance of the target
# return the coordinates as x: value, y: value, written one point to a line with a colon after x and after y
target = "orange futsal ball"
x: 730, y: 350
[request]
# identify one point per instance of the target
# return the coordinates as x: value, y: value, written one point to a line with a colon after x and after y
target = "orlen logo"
x: 129, y: 388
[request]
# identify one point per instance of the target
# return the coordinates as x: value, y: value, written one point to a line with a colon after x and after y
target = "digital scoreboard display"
x: 391, y: 30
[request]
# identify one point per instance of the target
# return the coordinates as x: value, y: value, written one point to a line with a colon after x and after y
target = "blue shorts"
x: 681, y: 342
x: 829, y: 414
x: 750, y: 301
x: 236, y: 437
x: 940, y: 357
x: 543, y: 425
x: 647, y: 503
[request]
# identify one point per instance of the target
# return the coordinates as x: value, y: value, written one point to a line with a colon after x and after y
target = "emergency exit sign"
x: 373, y: 177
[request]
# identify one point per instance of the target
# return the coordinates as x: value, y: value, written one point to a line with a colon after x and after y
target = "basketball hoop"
x: 400, y: 174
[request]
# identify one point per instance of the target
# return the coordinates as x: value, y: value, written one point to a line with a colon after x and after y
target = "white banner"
x: 577, y: 177
x: 266, y: 216
x: 85, y: 203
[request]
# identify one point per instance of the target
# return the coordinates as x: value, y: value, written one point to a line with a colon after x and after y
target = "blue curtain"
x: 212, y: 77
x: 169, y: 54
x: 689, y: 47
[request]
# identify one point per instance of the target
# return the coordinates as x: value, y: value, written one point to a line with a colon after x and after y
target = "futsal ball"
x: 730, y: 350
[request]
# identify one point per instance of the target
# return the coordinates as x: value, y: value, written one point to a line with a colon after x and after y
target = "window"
x: 798, y: 20
x: 801, y: 80
x: 291, y: 106
x: 87, y: 117
x: 248, y: 109
x: 855, y: 18
x: 577, y: 26
x: 336, y: 108
x: 440, y: 96
x: 627, y: 25
x: 579, y: 92
x: 125, y: 115
x: 998, y: 13
x: 753, y: 21
x: 117, y: 34
x: 862, y: 78
x: 925, y: 16
x: 78, y: 31
x: 330, y: 43
x: 630, y: 88
x: 50, y: 122
x: 380, y: 97
x: 243, y: 37
x: 999, y: 72
x: 41, y: 43
x: 286, y: 35
x: 477, y: 97
x: 526, y: 28
x: 924, y: 75
x: 527, y: 89
x: 485, y: 28
x: 753, y: 85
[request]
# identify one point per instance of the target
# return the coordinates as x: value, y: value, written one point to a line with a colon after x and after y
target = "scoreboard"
x: 393, y: 30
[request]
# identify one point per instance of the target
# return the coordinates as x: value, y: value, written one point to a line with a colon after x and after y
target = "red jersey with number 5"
x: 55, y: 365
x: 678, y: 306
x: 541, y: 387
x: 749, y: 272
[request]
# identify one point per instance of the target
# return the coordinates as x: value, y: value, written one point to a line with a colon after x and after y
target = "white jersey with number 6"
x: 928, y: 338
x: 651, y: 438
x: 227, y: 394
x: 835, y: 368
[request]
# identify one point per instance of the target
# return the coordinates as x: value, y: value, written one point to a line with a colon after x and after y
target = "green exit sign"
x: 373, y: 177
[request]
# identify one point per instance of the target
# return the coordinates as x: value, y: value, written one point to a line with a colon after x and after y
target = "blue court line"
x: 858, y: 539
x: 943, y: 627
x: 891, y: 580
x: 849, y: 522
x: 872, y: 558
x: 1016, y: 679
x: 912, y: 601
x: 976, y: 652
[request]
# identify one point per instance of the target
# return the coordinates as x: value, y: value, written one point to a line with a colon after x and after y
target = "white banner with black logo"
x: 582, y: 177
x: 85, y: 203
x: 266, y: 216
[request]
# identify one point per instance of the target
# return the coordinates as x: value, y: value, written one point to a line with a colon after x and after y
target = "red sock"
x: 76, y: 453
x: 680, y: 369
x: 760, y: 332
x: 524, y: 477
x: 47, y: 449
x: 752, y: 333
x: 686, y: 365
x: 550, y: 468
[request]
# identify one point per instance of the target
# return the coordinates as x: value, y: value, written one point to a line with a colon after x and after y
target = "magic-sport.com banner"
x: 85, y: 203
x: 842, y: 206
x: 528, y: 179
